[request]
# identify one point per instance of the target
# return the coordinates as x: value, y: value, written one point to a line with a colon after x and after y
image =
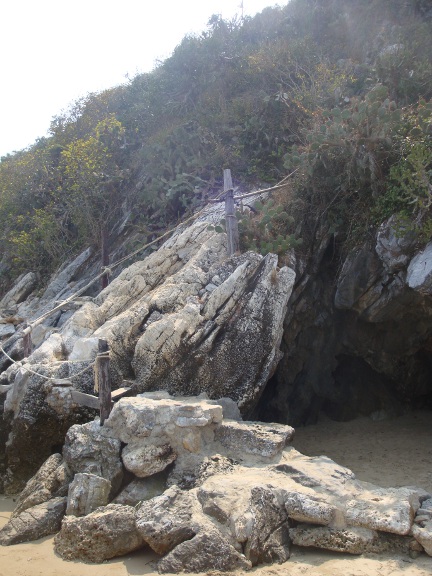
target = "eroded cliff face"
x: 345, y: 338
x: 357, y: 336
x: 186, y: 319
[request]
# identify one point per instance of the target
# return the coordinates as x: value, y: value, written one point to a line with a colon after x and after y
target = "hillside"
x: 339, y: 90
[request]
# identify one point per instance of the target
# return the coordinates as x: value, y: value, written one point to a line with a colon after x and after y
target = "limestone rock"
x: 423, y: 535
x: 305, y: 508
x: 19, y: 292
x: 6, y: 330
x: 204, y: 552
x: 394, y: 246
x: 145, y: 461
x: 348, y: 540
x: 419, y: 272
x: 86, y: 493
x: 105, y: 533
x: 387, y: 510
x: 86, y: 450
x: 142, y: 489
x: 269, y: 540
x: 50, y: 481
x: 34, y: 523
x: 168, y: 520
x: 265, y: 440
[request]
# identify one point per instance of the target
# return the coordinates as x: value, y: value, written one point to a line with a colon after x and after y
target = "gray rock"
x: 142, y: 489
x: 20, y: 291
x: 168, y: 520
x: 6, y: 330
x: 269, y: 540
x: 348, y: 540
x: 52, y: 480
x: 34, y: 523
x: 86, y: 493
x: 145, y: 461
x: 86, y: 450
x: 394, y: 245
x: 384, y: 509
x: 306, y: 508
x: 105, y: 533
x: 60, y: 280
x: 259, y: 439
x: 419, y: 272
x: 204, y: 552
x: 423, y: 535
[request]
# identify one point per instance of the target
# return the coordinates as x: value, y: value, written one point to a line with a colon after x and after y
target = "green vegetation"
x: 339, y: 90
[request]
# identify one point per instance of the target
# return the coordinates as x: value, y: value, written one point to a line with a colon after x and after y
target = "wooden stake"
x: 27, y: 343
x: 230, y: 217
x: 104, y: 381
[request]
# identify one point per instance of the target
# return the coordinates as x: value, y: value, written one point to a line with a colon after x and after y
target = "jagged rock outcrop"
x: 185, y: 319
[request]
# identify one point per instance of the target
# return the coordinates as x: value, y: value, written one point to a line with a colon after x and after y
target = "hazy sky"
x: 54, y: 51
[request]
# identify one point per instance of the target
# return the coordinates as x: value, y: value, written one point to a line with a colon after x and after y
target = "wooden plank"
x: 61, y: 382
x: 230, y: 217
x: 117, y: 394
x: 104, y: 380
x: 85, y: 399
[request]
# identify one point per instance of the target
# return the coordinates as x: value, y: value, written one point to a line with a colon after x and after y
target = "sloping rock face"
x: 186, y: 319
x: 222, y: 507
x: 357, y: 338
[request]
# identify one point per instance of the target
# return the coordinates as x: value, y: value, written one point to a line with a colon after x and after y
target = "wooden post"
x: 104, y: 381
x: 230, y: 217
x: 27, y: 342
x: 105, y: 255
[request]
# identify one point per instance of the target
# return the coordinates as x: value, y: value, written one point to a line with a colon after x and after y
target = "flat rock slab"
x: 142, y: 417
x: 34, y: 523
x: 259, y: 439
x: 423, y: 535
x: 105, y: 533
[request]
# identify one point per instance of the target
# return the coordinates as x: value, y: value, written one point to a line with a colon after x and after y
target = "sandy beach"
x: 394, y: 452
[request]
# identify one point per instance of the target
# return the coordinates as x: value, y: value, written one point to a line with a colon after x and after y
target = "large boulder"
x: 35, y: 522
x: 107, y: 532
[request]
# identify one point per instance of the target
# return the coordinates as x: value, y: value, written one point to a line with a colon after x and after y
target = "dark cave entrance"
x: 353, y: 389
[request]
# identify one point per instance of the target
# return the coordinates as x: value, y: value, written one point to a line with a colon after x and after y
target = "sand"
x: 394, y: 452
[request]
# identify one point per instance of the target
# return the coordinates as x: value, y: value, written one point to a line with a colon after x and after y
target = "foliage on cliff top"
x: 332, y: 87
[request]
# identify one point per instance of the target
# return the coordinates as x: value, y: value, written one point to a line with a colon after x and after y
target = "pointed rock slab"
x: 86, y: 493
x: 105, y: 533
x: 266, y: 440
x: 87, y: 451
x: 34, y: 523
x: 269, y: 540
x: 144, y: 461
x: 51, y: 480
x: 204, y: 552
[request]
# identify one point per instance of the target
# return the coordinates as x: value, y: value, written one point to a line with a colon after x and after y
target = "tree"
x: 93, y: 181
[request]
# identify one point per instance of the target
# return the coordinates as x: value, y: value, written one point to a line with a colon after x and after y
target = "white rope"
x: 43, y: 375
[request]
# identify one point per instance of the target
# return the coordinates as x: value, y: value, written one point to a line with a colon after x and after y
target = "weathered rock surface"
x: 201, y: 552
x: 86, y: 450
x: 34, y: 523
x: 105, y: 533
x: 165, y: 330
x: 265, y: 440
x: 142, y: 489
x: 86, y: 493
x: 144, y: 461
x: 52, y: 480
x: 19, y: 292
